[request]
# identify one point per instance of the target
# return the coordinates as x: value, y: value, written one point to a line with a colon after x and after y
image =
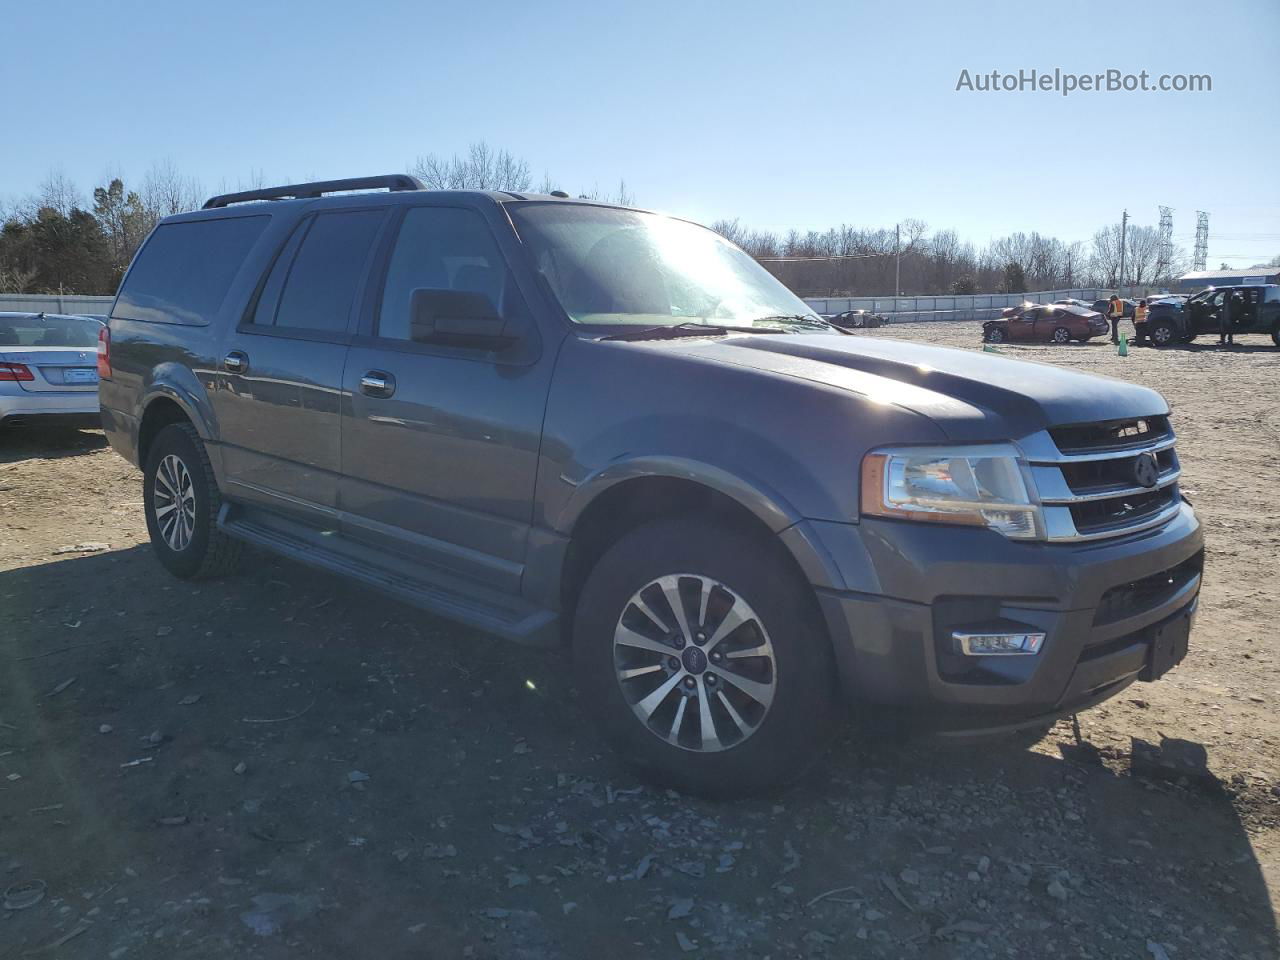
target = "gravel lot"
x: 278, y: 764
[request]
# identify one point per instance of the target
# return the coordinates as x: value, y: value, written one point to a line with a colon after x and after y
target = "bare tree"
x: 483, y: 168
x: 165, y: 191
x: 58, y: 192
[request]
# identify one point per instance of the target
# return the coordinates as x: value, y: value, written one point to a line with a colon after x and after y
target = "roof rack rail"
x: 393, y: 182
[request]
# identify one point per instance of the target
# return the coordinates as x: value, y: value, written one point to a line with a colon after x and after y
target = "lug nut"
x: 690, y: 682
x: 715, y: 655
x: 711, y: 679
x: 679, y: 642
x: 702, y: 638
x: 673, y: 663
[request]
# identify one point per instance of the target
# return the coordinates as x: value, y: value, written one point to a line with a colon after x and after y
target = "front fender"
x: 767, y: 505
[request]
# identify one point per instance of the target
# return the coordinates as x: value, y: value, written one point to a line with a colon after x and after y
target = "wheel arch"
x: 166, y: 405
x: 634, y: 498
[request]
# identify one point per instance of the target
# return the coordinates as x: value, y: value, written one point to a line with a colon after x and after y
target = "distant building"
x: 1199, y: 279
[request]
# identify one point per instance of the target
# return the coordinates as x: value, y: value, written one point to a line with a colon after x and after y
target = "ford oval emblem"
x: 1146, y: 471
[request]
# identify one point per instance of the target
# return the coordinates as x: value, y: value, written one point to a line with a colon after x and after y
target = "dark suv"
x: 1250, y: 309
x: 564, y: 421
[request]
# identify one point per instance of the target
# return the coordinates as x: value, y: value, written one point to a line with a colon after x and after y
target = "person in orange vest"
x: 1115, y: 313
x: 1140, y: 322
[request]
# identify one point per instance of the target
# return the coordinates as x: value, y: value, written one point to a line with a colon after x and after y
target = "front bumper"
x: 908, y: 586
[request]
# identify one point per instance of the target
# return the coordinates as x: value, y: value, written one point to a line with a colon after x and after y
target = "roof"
x: 1208, y: 276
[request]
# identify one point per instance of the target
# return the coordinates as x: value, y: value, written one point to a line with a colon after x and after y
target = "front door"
x: 440, y: 442
x: 279, y: 397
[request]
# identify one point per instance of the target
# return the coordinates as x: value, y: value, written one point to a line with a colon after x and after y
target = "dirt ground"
x: 279, y: 764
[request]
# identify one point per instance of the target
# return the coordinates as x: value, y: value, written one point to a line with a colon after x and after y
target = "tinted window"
x: 185, y: 269
x: 321, y: 279
x: 440, y: 248
x: 264, y: 312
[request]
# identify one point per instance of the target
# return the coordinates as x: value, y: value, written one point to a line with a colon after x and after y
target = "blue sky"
x: 783, y: 114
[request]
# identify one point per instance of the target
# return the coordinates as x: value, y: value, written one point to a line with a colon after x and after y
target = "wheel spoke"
x: 733, y: 714
x: 703, y: 598
x: 731, y: 622
x: 629, y: 638
x: 710, y: 739
x: 654, y: 700
x: 671, y: 590
x: 639, y: 671
x: 165, y: 510
x: 674, y: 735
x: 640, y: 604
x: 762, y: 693
x: 761, y: 651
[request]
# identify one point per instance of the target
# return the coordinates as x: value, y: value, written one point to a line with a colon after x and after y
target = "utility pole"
x: 1124, y: 231
x: 897, y: 259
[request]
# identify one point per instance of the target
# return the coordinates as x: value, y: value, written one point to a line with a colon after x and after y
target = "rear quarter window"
x: 184, y: 271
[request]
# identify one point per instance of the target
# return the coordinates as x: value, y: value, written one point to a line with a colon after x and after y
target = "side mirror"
x: 461, y: 317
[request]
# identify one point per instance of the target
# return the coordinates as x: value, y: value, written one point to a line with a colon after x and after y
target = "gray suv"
x: 568, y: 422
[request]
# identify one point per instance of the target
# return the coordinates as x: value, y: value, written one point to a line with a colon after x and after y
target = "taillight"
x: 16, y: 371
x: 104, y: 353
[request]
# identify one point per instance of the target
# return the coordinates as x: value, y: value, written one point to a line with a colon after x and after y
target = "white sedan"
x: 49, y: 370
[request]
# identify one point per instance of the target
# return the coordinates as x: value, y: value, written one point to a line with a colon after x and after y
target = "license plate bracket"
x: 1169, y: 642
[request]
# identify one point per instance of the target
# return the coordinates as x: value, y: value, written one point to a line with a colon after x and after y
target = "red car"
x: 1045, y: 323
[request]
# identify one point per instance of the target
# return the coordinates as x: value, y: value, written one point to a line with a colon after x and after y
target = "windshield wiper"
x: 799, y: 320
x: 670, y: 331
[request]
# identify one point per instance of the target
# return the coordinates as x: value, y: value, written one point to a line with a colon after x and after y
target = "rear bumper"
x: 50, y: 408
x: 122, y: 432
x: 1098, y: 605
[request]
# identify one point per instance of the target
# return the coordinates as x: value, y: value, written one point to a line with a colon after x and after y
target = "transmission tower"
x: 1164, y: 255
x: 1201, y: 255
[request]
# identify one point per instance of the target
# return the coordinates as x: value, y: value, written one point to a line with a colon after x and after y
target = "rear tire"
x: 1061, y: 335
x: 778, y: 650
x: 1275, y: 334
x: 181, y: 500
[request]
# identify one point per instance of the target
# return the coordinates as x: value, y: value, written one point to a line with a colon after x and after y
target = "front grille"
x: 1135, y: 432
x: 1096, y: 479
x: 1139, y: 596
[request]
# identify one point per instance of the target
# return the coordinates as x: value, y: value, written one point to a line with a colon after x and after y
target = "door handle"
x: 235, y: 362
x: 378, y: 383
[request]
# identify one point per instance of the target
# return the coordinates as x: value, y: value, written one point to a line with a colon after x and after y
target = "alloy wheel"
x: 694, y: 662
x: 174, y: 502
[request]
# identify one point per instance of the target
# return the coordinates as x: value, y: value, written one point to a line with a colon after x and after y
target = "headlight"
x: 981, y: 486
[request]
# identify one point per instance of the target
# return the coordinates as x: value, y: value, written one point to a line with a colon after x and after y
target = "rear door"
x: 439, y: 464
x: 279, y: 397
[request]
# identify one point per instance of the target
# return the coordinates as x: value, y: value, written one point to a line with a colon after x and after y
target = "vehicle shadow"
x: 282, y: 732
x: 37, y: 443
x: 1216, y: 347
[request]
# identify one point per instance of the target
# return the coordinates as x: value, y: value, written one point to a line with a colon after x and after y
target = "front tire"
x: 1061, y: 335
x: 995, y: 335
x: 1163, y: 334
x: 181, y: 500
x: 704, y: 661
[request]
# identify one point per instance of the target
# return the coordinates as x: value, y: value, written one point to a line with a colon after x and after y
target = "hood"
x: 971, y: 395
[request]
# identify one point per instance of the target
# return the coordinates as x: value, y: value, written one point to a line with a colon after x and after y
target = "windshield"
x: 42, y: 331
x: 611, y: 266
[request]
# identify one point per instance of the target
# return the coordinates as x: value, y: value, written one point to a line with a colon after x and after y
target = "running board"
x: 509, y: 617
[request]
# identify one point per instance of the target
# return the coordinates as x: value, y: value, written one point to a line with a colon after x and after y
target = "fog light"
x: 998, y: 644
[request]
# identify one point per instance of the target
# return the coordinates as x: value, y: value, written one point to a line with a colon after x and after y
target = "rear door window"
x: 185, y: 269
x: 313, y: 282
